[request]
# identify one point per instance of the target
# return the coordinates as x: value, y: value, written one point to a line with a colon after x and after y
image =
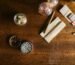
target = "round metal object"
x: 14, y: 41
x: 26, y: 47
x: 20, y: 19
x: 45, y: 8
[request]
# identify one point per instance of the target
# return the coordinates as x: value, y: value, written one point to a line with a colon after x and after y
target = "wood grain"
x: 61, y: 51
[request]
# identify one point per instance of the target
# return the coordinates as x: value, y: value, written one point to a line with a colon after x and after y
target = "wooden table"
x: 61, y: 51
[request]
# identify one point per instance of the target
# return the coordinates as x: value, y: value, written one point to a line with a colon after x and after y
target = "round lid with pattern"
x: 26, y: 47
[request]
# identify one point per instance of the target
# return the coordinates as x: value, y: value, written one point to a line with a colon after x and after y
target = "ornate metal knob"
x: 20, y: 19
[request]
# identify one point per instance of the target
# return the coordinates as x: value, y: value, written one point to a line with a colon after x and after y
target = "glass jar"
x: 46, y: 8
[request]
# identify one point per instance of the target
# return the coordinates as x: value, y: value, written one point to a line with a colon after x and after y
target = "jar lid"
x: 20, y: 19
x: 26, y: 47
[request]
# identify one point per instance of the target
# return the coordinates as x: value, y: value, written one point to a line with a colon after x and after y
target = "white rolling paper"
x: 53, y: 29
x: 67, y: 13
x: 50, y: 27
x: 57, y: 30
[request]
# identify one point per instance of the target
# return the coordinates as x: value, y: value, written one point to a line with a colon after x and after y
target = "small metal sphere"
x: 26, y: 47
x: 48, y: 11
x: 45, y: 8
x: 20, y: 19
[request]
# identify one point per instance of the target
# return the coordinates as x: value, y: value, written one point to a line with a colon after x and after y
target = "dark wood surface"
x: 61, y: 51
